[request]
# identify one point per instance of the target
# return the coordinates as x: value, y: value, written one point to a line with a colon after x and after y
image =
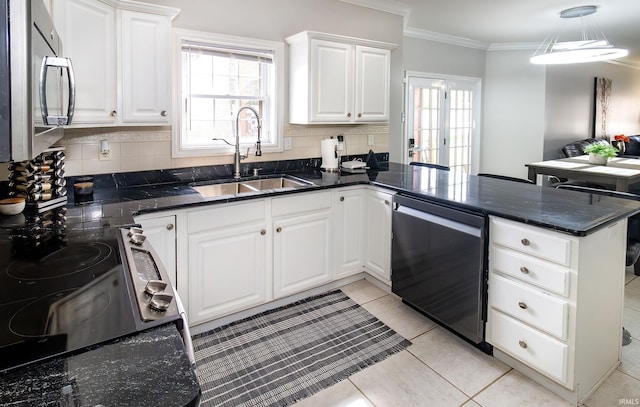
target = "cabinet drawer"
x: 533, y: 307
x: 218, y: 216
x: 532, y: 347
x: 530, y: 270
x: 535, y: 241
x: 298, y: 203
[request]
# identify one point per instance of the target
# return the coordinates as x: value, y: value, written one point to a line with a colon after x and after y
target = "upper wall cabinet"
x: 120, y: 53
x: 336, y: 79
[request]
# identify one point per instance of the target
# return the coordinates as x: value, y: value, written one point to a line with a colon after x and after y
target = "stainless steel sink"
x: 274, y: 183
x: 249, y: 187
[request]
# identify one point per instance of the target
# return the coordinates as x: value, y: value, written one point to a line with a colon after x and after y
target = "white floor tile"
x: 514, y: 389
x: 362, y: 291
x: 342, y: 394
x: 466, y: 367
x: 632, y: 295
x: 631, y: 359
x: 402, y: 380
x: 619, y: 389
x: 399, y: 317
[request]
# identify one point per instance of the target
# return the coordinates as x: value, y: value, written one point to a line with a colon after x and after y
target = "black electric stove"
x: 66, y: 292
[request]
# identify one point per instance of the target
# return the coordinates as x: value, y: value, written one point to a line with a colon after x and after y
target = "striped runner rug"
x: 284, y: 355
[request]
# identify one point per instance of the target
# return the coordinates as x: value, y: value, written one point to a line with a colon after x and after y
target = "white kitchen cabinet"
x: 349, y: 217
x: 228, y: 260
x: 335, y: 79
x: 88, y: 32
x: 144, y: 68
x: 301, y: 242
x: 547, y: 313
x: 378, y: 233
x: 120, y: 52
x: 161, y: 232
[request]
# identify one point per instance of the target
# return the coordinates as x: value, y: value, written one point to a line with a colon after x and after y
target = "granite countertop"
x: 146, y: 369
x: 562, y: 210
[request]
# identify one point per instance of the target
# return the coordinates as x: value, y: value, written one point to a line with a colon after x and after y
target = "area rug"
x: 284, y: 355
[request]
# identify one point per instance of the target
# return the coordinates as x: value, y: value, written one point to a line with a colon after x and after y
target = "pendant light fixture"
x: 591, y: 46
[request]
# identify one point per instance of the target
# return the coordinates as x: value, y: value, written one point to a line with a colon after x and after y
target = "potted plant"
x: 599, y: 153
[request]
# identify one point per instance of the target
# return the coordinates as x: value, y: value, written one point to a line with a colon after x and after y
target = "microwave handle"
x: 57, y: 62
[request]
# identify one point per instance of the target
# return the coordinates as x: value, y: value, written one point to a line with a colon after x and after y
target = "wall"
x: 143, y: 149
x: 514, y: 113
x: 569, y: 103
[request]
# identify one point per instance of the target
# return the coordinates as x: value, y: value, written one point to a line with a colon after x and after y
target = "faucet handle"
x: 242, y: 157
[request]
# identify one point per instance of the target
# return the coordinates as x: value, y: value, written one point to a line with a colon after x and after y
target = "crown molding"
x: 444, y: 38
x: 513, y: 46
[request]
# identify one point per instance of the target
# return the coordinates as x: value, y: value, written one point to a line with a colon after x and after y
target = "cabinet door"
x: 87, y: 28
x: 378, y: 236
x: 227, y: 271
x: 331, y: 91
x: 301, y: 252
x: 144, y: 52
x: 161, y: 232
x: 372, y: 84
x: 349, y: 225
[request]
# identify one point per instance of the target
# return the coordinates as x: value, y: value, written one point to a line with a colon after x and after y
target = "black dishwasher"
x: 438, y: 264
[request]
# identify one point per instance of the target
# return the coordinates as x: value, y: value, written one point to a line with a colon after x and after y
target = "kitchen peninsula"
x: 122, y: 199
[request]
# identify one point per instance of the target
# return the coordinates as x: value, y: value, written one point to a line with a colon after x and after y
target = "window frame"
x: 220, y: 148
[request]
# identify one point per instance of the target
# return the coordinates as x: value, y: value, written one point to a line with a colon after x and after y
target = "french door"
x: 442, y: 121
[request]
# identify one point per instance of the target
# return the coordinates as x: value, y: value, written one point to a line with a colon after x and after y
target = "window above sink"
x: 219, y: 74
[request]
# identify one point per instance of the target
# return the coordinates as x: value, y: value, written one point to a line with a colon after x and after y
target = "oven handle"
x: 186, y: 335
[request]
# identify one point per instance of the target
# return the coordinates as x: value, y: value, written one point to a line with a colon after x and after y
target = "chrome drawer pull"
x: 525, y: 242
x: 522, y: 305
x: 524, y: 270
x: 522, y: 344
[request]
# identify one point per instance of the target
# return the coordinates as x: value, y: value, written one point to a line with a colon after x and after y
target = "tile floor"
x: 439, y: 369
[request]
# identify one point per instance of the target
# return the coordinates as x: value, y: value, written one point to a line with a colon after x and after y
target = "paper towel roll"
x: 329, y: 149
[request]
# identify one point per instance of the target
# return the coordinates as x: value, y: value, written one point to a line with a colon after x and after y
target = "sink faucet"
x: 237, y: 155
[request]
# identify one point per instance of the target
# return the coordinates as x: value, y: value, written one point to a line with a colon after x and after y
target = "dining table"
x: 619, y: 172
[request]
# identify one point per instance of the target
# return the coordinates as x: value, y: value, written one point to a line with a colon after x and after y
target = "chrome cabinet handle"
x: 522, y: 344
x: 114, y: 113
x: 348, y: 114
x: 342, y: 199
x: 279, y: 230
x: 170, y: 226
x: 524, y: 270
x: 522, y: 305
x: 163, y: 113
x: 359, y: 114
x: 386, y: 202
x: 263, y: 232
x: 525, y: 242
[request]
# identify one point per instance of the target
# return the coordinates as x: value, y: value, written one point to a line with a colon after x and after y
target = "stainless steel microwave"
x: 37, y: 87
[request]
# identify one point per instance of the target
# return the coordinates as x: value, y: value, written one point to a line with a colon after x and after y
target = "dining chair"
x: 430, y: 165
x: 506, y: 177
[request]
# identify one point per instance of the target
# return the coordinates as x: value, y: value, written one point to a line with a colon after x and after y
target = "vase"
x: 597, y: 159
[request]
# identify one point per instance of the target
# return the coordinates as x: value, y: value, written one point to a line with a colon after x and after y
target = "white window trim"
x: 278, y: 58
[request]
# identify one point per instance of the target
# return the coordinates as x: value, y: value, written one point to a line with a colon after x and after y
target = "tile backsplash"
x: 149, y: 148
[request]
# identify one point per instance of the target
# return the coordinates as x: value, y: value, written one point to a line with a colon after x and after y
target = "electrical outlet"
x: 287, y: 143
x: 370, y: 139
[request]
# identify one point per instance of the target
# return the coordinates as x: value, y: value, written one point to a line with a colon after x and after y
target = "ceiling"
x: 511, y: 24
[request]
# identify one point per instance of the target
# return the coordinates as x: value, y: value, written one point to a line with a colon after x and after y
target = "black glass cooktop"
x: 61, y: 296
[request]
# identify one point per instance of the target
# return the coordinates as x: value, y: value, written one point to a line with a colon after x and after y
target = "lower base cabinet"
x: 302, y: 236
x: 227, y: 260
x: 378, y: 234
x: 555, y: 304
